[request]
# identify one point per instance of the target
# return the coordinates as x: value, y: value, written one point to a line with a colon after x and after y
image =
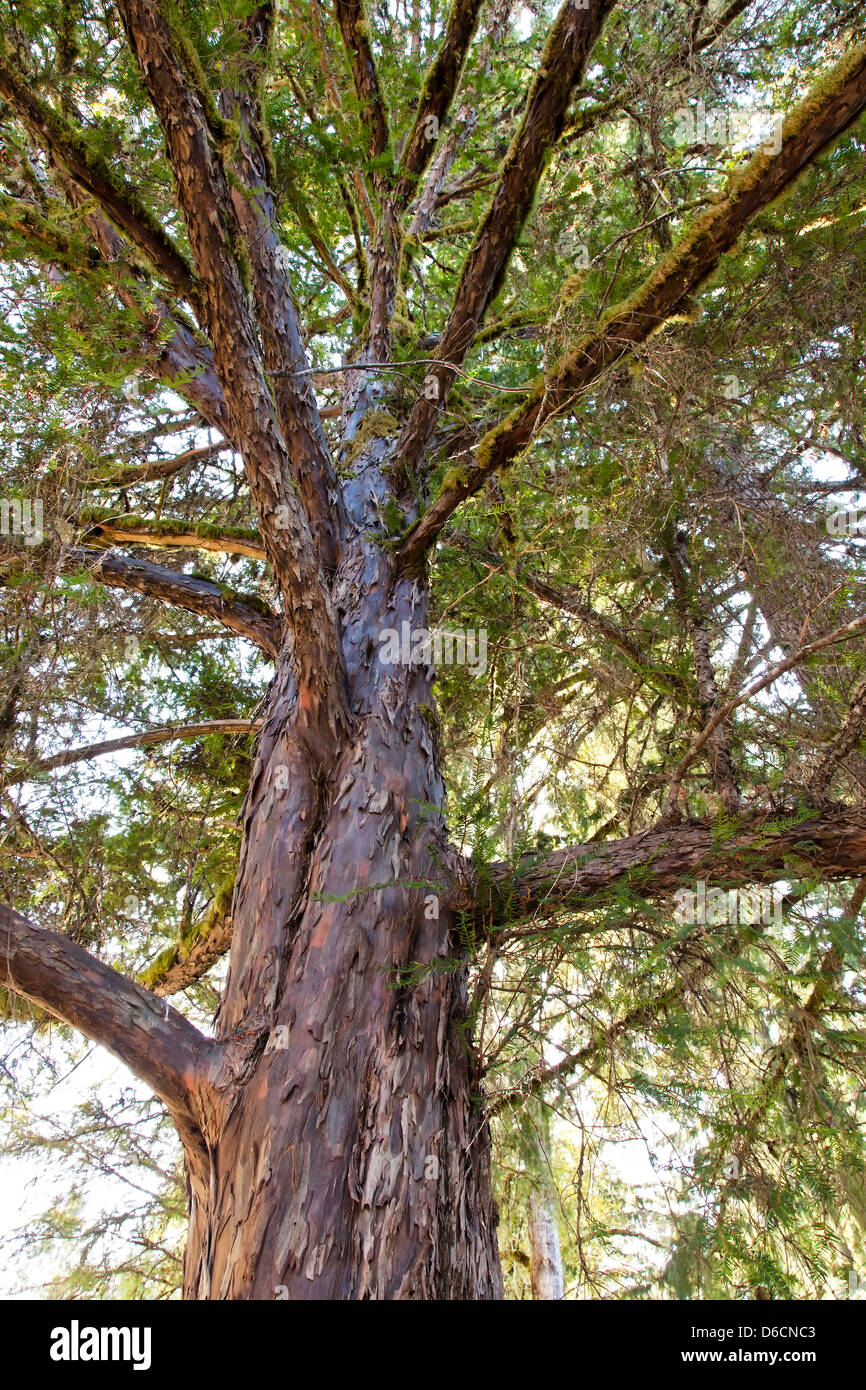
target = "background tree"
x: 582, y: 290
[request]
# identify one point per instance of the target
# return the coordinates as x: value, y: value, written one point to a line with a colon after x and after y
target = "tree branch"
x: 204, y: 195
x: 437, y: 94
x: 145, y: 739
x: 354, y: 31
x: 164, y: 468
x: 256, y: 213
x: 181, y: 965
x: 830, y: 108
x: 154, y: 1041
x: 182, y: 591
x: 839, y: 634
x: 69, y: 147
x: 166, y: 534
x: 755, y: 849
x: 569, y: 44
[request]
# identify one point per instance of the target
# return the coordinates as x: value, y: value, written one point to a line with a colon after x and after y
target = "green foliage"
x: 691, y: 1046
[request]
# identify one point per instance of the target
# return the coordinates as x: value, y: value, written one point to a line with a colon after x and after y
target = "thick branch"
x: 569, y: 44
x: 760, y: 850
x: 205, y: 198
x: 830, y: 108
x: 166, y: 534
x: 354, y: 31
x: 438, y: 92
x: 255, y: 209
x: 182, y: 591
x: 69, y: 147
x: 154, y: 1041
x: 181, y: 965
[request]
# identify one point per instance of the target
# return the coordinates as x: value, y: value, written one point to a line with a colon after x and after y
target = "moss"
x: 689, y: 311
x: 401, y: 323
x: 392, y: 515
x: 430, y: 717
x: 158, y: 966
x: 102, y: 171
x: 218, y: 910
x: 376, y: 424
x: 522, y: 319
x: 244, y: 264
x: 452, y: 478
x: 232, y: 596
x: 571, y: 287
x: 196, y: 931
x: 484, y: 452
x: 253, y: 601
x: 166, y: 526
x: 685, y: 252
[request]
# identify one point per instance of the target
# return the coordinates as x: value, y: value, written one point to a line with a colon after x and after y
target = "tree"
x: 589, y: 415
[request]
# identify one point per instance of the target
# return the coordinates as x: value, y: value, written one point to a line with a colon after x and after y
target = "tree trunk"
x: 351, y: 1158
x: 545, y: 1257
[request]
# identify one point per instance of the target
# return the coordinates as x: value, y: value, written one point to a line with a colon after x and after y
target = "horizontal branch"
x: 755, y: 849
x: 832, y: 106
x: 164, y: 468
x: 164, y: 534
x: 233, y: 611
x: 153, y: 1040
x: 147, y: 738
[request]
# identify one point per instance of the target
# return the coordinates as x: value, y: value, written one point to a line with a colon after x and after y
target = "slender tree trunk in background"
x: 352, y: 1160
x: 545, y: 1256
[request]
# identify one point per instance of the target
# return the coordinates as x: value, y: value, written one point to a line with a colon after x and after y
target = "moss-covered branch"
x: 101, y: 523
x: 180, y: 965
x: 117, y: 197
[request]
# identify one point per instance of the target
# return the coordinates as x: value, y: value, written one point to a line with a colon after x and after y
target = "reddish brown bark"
x: 354, y: 1159
x: 335, y: 1140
